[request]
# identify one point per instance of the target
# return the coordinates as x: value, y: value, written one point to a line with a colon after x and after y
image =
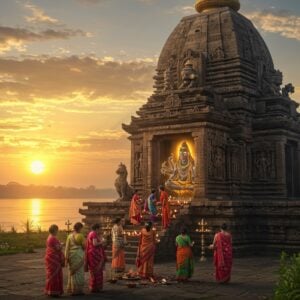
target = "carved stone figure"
x: 189, y: 75
x: 122, y: 187
x: 287, y: 90
x: 168, y: 79
x: 180, y: 173
x: 172, y: 101
x: 272, y: 83
x: 217, y: 54
x: 217, y: 163
x: 138, y: 165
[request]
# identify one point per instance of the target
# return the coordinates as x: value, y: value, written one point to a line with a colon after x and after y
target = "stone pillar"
x: 298, y: 170
x: 280, y: 165
x: 148, y: 161
x: 201, y: 166
x: 132, y: 181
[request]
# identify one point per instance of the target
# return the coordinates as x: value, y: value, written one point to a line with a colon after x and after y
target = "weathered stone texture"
x: 216, y: 86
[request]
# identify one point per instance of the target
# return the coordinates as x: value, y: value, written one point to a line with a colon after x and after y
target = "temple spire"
x: 202, y: 5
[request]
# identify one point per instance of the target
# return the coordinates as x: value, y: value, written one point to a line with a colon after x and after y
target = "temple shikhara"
x: 220, y: 132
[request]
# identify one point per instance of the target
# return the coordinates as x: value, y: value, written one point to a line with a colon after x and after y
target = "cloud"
x: 75, y: 78
x: 16, y: 38
x: 91, y: 1
x: 182, y: 10
x: 38, y: 15
x: 281, y: 22
x: 102, y: 142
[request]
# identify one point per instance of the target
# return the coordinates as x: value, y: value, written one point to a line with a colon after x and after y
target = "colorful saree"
x: 135, y: 210
x: 152, y: 207
x: 223, y: 256
x: 145, y: 254
x: 184, y: 258
x: 95, y: 262
x: 166, y: 214
x: 118, y: 252
x: 74, y: 254
x: 54, y: 260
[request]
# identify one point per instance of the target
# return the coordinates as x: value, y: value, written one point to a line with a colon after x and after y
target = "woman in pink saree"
x: 222, y: 247
x: 54, y: 260
x: 95, y: 259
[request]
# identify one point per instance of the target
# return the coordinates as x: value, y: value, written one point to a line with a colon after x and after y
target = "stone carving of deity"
x: 180, y: 173
x: 189, y: 75
x: 262, y: 165
x: 217, y: 163
x: 138, y: 165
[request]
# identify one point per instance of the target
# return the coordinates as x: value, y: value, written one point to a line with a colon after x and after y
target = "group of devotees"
x: 87, y: 254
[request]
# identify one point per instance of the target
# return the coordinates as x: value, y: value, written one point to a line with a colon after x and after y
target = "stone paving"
x: 22, y: 276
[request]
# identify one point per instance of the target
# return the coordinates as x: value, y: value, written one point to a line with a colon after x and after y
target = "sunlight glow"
x: 35, y: 212
x: 37, y: 167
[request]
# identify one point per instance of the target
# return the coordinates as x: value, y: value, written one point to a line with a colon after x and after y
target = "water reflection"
x: 36, y: 207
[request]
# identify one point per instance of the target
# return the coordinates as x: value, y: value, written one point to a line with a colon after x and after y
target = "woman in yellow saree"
x: 74, y: 254
x: 118, y: 248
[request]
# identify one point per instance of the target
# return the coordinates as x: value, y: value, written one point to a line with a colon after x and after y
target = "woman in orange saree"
x: 165, y: 208
x: 222, y: 247
x: 135, y: 209
x: 118, y: 245
x: 146, y: 251
x: 184, y: 257
x: 95, y: 259
x: 54, y: 260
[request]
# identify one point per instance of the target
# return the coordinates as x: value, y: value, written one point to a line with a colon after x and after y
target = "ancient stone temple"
x: 222, y: 131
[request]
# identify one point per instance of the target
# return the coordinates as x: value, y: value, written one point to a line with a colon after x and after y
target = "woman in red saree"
x: 54, y: 261
x: 135, y: 209
x: 222, y: 247
x: 146, y: 251
x: 165, y: 208
x: 95, y: 259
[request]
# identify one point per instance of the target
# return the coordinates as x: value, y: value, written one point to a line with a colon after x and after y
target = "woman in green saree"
x: 184, y: 256
x: 74, y: 254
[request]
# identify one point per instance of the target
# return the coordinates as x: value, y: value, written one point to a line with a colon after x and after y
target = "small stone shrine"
x: 221, y: 132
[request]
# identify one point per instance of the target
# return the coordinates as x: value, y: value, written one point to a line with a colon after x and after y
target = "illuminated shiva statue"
x: 181, y: 173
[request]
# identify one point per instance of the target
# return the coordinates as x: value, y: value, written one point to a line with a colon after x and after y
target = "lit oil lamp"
x: 202, y: 229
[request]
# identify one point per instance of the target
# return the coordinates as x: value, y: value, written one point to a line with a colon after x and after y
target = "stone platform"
x: 22, y: 277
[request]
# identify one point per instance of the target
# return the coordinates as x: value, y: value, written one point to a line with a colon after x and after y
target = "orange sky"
x: 72, y: 71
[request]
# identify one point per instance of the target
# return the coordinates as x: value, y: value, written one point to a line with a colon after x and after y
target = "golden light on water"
x: 37, y: 167
x: 36, y: 208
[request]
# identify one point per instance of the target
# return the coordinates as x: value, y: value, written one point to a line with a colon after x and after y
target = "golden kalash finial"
x: 202, y: 5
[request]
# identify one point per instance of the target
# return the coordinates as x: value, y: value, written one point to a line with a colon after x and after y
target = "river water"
x: 40, y: 212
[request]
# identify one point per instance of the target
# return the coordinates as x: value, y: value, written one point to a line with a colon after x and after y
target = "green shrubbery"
x: 288, y: 286
x: 15, y: 242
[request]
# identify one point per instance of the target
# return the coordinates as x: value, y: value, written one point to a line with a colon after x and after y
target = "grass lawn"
x: 12, y: 243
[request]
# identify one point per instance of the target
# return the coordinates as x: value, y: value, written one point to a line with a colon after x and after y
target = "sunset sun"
x: 37, y: 167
